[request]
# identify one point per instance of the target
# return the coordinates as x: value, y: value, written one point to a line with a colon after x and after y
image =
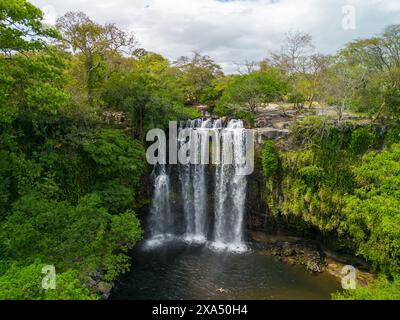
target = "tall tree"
x: 302, y: 66
x: 149, y: 92
x: 379, y: 57
x: 197, y: 76
x: 246, y: 93
x: 339, y: 85
x: 30, y: 70
x: 21, y: 27
x: 292, y: 57
x: 95, y: 42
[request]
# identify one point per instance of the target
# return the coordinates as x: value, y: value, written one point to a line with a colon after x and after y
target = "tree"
x: 248, y: 66
x: 197, y: 76
x: 379, y: 58
x: 372, y: 213
x: 30, y: 75
x: 301, y: 65
x: 149, y: 92
x: 339, y: 86
x: 293, y: 55
x: 84, y: 237
x: 24, y: 283
x: 21, y: 27
x: 96, y: 43
x: 246, y: 93
x: 313, y: 72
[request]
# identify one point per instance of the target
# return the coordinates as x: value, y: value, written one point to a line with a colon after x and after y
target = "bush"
x: 25, y: 283
x: 382, y: 289
x: 312, y: 175
x: 247, y: 117
x: 363, y: 139
x: 393, y: 136
x: 270, y: 159
x: 84, y: 237
x: 372, y: 213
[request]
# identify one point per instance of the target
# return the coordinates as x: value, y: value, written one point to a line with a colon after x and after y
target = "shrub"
x: 270, y: 159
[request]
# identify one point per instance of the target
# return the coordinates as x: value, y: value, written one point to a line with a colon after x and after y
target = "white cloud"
x: 231, y: 31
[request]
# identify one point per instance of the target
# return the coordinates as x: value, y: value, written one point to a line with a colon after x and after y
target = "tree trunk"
x: 90, y: 79
x: 378, y: 114
x: 311, y: 101
x: 139, y: 134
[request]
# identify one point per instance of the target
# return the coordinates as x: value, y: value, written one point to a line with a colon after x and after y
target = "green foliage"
x: 116, y: 154
x: 250, y: 91
x: 33, y: 83
x: 393, y: 135
x: 85, y: 237
x: 149, y: 92
x: 338, y: 85
x: 20, y: 21
x: 69, y: 183
x: 270, y: 159
x: 201, y: 79
x: 312, y: 175
x: 296, y: 97
x: 189, y: 113
x: 115, y: 197
x: 97, y: 46
x: 320, y: 176
x: 363, y: 139
x: 382, y: 289
x: 372, y: 214
x: 25, y: 283
x: 337, y: 182
x: 376, y: 60
x: 248, y: 118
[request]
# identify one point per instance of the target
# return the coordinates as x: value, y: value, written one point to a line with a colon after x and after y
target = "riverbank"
x: 309, y: 254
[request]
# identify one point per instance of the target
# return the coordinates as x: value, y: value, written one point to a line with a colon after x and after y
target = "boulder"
x: 271, y: 133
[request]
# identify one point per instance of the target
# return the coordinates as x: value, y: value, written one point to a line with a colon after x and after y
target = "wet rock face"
x: 298, y: 254
x: 100, y: 287
x: 256, y: 206
x: 302, y: 253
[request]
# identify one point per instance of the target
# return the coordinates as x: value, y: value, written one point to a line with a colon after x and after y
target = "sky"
x: 234, y: 31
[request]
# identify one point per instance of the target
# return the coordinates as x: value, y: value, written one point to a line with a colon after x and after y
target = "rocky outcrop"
x: 311, y: 255
x: 292, y: 250
x: 335, y: 268
x: 271, y: 133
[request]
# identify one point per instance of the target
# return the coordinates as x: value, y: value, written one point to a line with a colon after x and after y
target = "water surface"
x: 179, y: 271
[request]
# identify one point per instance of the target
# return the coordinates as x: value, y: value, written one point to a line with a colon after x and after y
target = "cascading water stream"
x: 231, y: 189
x: 194, y: 182
x: 229, y: 186
x: 161, y: 220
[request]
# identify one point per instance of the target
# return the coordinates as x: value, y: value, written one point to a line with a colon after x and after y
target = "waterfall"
x: 161, y: 220
x: 230, y: 194
x: 194, y: 183
x: 195, y: 186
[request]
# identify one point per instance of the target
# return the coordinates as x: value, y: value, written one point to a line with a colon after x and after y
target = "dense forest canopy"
x: 76, y: 101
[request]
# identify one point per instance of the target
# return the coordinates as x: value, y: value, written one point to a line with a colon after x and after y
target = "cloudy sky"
x: 233, y: 31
